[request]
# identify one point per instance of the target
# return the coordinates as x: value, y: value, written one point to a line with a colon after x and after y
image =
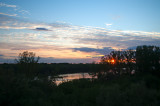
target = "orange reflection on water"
x: 69, y: 77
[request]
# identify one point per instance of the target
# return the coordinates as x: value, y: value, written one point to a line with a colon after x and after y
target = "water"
x: 69, y: 77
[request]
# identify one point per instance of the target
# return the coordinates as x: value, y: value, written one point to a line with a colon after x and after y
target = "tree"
x: 117, y: 57
x: 148, y: 58
x: 27, y: 57
x: 119, y: 62
x: 28, y: 63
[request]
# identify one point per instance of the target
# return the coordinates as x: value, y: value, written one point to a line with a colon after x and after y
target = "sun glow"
x: 112, y: 61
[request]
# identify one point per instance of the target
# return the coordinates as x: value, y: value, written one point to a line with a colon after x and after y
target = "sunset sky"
x: 76, y: 31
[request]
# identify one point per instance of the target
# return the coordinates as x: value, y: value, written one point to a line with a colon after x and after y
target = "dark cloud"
x: 132, y: 48
x: 2, y: 60
x: 120, y: 40
x: 41, y: 29
x: 46, y: 60
x: 69, y: 60
x: 53, y: 60
x: 1, y: 55
x: 104, y: 50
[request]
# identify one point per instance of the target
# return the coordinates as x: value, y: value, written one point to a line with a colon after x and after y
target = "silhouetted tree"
x: 148, y: 58
x: 27, y: 57
x: 119, y: 62
x: 27, y: 62
x: 118, y: 57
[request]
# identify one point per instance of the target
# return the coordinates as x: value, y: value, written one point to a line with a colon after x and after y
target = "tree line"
x: 145, y: 59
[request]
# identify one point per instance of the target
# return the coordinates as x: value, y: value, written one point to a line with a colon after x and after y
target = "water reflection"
x: 69, y: 77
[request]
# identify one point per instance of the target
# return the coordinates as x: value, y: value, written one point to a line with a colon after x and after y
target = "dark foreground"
x: 126, y: 90
x: 124, y: 78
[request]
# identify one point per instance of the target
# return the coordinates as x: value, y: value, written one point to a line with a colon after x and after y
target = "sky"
x: 76, y: 31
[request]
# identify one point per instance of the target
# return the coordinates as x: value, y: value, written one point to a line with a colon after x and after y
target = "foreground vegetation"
x: 115, y: 86
x: 139, y: 90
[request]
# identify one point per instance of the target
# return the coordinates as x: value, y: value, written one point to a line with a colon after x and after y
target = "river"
x: 69, y: 77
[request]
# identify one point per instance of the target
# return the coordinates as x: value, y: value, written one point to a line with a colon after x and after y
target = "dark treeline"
x: 125, y: 78
x: 51, y: 69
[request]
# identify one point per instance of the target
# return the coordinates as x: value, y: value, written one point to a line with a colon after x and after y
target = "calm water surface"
x: 69, y: 77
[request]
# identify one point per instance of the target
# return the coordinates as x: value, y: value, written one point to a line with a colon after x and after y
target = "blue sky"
x: 76, y: 30
x: 140, y: 15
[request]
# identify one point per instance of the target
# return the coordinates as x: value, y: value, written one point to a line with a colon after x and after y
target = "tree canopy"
x: 27, y: 57
x: 143, y: 59
x: 148, y: 58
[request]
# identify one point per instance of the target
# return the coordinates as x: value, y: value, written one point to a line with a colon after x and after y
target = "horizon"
x: 81, y: 31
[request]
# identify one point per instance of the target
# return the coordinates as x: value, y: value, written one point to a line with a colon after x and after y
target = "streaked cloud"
x: 60, y: 25
x: 69, y: 60
x: 103, y: 51
x: 24, y: 12
x: 108, y: 25
x: 13, y: 10
x: 62, y: 42
x: 8, y: 14
x: 7, y: 5
x: 7, y: 22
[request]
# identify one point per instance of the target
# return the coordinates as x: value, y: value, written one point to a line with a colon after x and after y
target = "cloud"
x: 24, y: 12
x: 67, y: 41
x: 68, y: 60
x: 8, y: 14
x: 7, y: 22
x: 14, y: 10
x: 1, y: 55
x: 7, y: 5
x: 132, y: 48
x: 108, y: 25
x: 53, y: 60
x: 120, y: 39
x: 91, y: 37
x: 41, y: 29
x: 29, y: 46
x: 104, y: 50
x: 2, y: 60
x: 5, y: 19
x: 96, y: 56
x: 60, y: 25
